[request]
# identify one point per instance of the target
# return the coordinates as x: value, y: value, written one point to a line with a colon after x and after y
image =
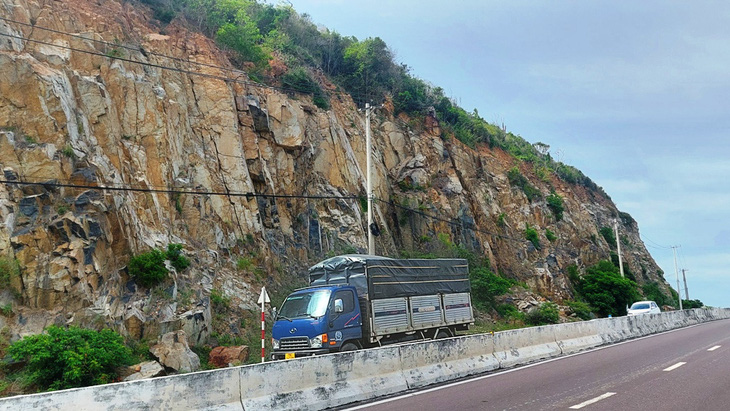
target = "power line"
x: 50, y: 183
x: 656, y: 245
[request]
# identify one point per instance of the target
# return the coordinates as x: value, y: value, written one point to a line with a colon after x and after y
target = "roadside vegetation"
x: 64, y: 358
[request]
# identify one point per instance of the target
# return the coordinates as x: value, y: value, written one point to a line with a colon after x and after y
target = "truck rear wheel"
x: 348, y: 347
x: 442, y: 334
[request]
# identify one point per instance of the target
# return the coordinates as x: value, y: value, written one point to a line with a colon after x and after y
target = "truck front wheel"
x: 348, y: 347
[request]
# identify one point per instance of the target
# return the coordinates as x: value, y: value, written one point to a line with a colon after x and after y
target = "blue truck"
x: 361, y: 301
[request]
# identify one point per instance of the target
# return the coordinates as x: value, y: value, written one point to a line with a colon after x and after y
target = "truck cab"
x: 317, y: 320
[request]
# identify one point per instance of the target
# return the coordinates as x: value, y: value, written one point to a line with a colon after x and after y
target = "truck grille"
x: 294, y: 343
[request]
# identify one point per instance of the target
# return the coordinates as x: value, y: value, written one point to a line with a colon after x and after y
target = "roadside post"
x: 263, y: 299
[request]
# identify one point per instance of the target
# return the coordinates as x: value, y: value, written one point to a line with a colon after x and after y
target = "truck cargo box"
x: 402, y: 295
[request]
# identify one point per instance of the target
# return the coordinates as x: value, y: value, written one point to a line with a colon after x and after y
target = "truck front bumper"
x: 281, y: 355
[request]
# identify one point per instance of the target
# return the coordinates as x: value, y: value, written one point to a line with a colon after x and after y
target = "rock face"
x: 173, y: 352
x: 228, y: 169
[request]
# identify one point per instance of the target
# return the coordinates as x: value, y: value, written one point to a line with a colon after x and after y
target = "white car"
x: 644, y: 307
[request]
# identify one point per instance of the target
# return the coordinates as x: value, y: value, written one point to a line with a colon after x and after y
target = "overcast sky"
x: 634, y: 94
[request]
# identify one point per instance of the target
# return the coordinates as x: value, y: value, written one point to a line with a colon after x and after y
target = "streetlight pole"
x: 676, y: 272
x: 368, y: 177
x: 618, y: 248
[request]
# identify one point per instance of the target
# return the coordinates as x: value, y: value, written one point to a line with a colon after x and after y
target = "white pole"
x: 676, y: 271
x: 263, y: 332
x: 368, y: 149
x: 618, y: 247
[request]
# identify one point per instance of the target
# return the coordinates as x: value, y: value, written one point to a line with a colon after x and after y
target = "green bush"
x: 9, y: 271
x: 73, y: 357
x: 606, y: 291
x: 243, y: 37
x: 501, y: 221
x: 532, y: 236
x: 550, y: 235
x: 178, y: 260
x: 485, y: 286
x: 555, y: 202
x: 546, y: 313
x: 689, y: 304
x: 148, y: 269
x: 298, y: 79
x: 573, y: 275
x: 518, y: 180
x: 244, y: 264
x: 218, y: 299
x: 580, y: 309
x: 653, y: 292
x: 608, y: 235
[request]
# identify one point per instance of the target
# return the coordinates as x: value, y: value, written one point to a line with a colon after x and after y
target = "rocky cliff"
x: 255, y: 182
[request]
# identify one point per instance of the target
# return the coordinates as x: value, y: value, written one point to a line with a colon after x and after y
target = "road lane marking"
x: 469, y: 380
x: 593, y: 401
x: 675, y: 366
x: 714, y: 348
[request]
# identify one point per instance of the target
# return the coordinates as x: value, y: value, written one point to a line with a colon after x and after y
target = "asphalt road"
x: 685, y: 369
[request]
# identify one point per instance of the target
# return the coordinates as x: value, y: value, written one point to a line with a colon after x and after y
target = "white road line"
x: 593, y: 401
x: 510, y: 370
x: 714, y: 348
x: 675, y: 366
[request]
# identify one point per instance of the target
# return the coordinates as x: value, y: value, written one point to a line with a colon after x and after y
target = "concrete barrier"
x: 437, y: 361
x: 338, y: 379
x: 577, y: 336
x: 525, y: 345
x: 218, y: 389
x: 322, y: 381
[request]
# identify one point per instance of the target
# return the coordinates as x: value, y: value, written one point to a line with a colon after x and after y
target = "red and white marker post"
x: 263, y: 299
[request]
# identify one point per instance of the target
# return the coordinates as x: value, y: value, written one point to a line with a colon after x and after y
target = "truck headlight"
x: 317, y: 341
x: 275, y: 343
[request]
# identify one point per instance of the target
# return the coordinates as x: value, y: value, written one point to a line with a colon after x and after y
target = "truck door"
x: 346, y: 325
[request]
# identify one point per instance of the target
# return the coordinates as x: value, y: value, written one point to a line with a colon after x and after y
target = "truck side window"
x: 348, y: 300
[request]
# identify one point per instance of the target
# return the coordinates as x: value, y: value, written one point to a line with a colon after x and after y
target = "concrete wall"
x: 337, y: 379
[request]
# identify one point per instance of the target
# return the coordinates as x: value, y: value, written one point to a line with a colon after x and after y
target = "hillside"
x: 121, y: 132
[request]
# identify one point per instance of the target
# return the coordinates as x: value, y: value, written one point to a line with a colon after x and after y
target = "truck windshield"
x: 311, y: 304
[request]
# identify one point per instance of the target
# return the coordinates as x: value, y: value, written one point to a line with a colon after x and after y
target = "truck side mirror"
x: 338, y: 306
x: 275, y: 313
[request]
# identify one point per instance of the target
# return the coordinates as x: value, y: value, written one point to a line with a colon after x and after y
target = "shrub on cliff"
x: 608, y: 235
x: 148, y: 269
x: 547, y: 313
x: 532, y: 236
x: 178, y: 260
x: 71, y: 357
x: 485, y: 285
x: 606, y: 291
x: 555, y: 202
x: 300, y: 80
x: 9, y: 269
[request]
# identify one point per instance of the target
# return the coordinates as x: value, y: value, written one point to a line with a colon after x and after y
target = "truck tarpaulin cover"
x: 388, y: 278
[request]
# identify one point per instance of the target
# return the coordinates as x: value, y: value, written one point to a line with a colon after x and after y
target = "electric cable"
x: 51, y: 183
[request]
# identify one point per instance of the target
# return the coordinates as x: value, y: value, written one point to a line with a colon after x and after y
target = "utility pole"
x: 676, y: 272
x: 618, y: 247
x: 686, y: 291
x: 368, y: 149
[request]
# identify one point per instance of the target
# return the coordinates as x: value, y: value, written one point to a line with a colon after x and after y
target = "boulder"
x: 222, y: 357
x: 149, y: 369
x: 173, y: 352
